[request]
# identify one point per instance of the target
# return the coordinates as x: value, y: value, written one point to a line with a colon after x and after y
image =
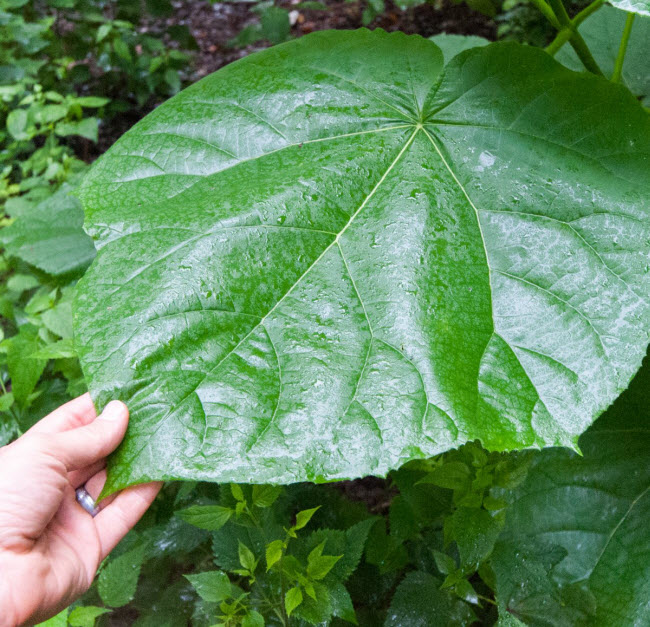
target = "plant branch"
x: 547, y: 12
x: 586, y: 12
x: 576, y: 40
x: 566, y: 32
x: 584, y: 54
x: 620, y: 57
x: 560, y: 39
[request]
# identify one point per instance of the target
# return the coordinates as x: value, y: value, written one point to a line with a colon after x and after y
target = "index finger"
x: 75, y: 413
x: 118, y: 518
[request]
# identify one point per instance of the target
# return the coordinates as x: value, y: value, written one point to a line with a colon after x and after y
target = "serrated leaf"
x: 60, y: 620
x: 274, y: 553
x: 475, y: 531
x: 62, y: 349
x: 212, y: 586
x: 237, y: 492
x: 508, y: 620
x: 465, y: 591
x: 318, y: 610
x: 602, y: 31
x: 253, y: 619
x: 58, y: 320
x: 247, y: 558
x: 444, y: 563
x: 379, y: 263
x: 451, y: 475
x: 265, y: 495
x: 418, y: 601
x: 292, y: 599
x: 350, y: 543
x: 23, y: 370
x: 595, y: 509
x: 210, y: 517
x: 303, y: 517
x: 225, y: 543
x: 342, y: 606
x: 318, y: 565
x: 118, y: 580
x: 50, y: 236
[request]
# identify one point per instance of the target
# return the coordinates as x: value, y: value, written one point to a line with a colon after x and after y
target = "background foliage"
x: 467, y: 536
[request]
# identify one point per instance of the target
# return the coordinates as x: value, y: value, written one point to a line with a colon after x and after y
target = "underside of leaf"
x: 333, y: 256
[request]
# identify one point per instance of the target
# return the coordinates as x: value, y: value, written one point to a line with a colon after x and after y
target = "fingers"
x: 117, y: 518
x: 94, y: 487
x: 80, y: 477
x: 85, y: 445
x: 76, y: 413
x: 95, y: 484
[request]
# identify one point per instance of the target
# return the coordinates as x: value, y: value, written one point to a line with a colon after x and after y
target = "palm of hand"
x: 50, y: 545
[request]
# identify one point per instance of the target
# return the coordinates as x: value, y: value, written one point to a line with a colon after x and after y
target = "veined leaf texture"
x: 336, y: 255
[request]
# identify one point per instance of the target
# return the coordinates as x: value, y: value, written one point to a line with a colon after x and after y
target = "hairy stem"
x: 622, y: 49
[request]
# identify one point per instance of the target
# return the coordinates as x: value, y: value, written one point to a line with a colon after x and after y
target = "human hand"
x: 50, y: 547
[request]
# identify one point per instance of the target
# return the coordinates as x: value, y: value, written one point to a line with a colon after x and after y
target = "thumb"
x: 78, y: 448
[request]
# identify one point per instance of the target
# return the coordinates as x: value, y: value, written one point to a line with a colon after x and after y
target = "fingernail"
x: 113, y: 411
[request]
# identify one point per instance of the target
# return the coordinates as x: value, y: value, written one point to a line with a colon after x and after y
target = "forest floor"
x: 215, y: 25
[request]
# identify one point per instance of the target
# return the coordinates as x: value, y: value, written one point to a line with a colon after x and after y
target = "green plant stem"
x: 560, y: 39
x: 586, y: 12
x: 584, y: 54
x: 576, y: 40
x: 486, y: 599
x: 547, y: 12
x: 556, y: 14
x: 565, y: 33
x: 622, y: 49
x: 560, y: 13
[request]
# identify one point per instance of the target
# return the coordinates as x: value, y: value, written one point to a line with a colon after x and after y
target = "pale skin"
x: 50, y: 547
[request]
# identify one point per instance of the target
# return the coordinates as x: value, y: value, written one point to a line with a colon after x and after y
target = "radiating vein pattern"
x: 333, y: 257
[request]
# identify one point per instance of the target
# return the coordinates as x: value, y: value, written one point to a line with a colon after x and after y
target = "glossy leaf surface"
x: 326, y: 259
x: 633, y: 6
x: 594, y: 510
x: 602, y: 32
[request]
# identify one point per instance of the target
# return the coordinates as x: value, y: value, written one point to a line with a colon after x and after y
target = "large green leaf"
x: 595, y: 509
x: 325, y: 260
x: 602, y: 32
x: 633, y: 6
